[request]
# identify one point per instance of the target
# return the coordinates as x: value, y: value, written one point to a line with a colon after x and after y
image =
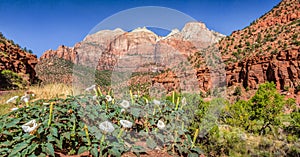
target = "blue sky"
x: 40, y: 25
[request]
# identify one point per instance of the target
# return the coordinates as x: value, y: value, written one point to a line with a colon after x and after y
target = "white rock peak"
x: 119, y: 30
x: 142, y: 29
x: 191, y: 30
x: 173, y: 32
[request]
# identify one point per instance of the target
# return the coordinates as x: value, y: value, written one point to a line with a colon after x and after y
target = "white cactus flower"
x: 95, y: 97
x: 156, y: 102
x: 125, y: 104
x: 108, y: 98
x: 25, y: 98
x: 106, y: 127
x: 30, y: 126
x: 123, y: 110
x: 161, y: 124
x: 91, y: 88
x: 183, y: 101
x: 12, y: 99
x: 126, y: 123
x: 14, y: 109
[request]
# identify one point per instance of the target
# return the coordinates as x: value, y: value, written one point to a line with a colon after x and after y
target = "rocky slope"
x: 267, y: 50
x: 17, y: 60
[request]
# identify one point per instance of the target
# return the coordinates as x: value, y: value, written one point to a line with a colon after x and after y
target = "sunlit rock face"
x: 141, y: 50
x: 17, y: 60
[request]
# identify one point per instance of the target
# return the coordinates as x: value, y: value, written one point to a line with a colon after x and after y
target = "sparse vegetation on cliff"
x: 16, y: 65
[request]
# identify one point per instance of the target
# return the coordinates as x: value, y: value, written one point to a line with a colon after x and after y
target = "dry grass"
x: 51, y: 91
x: 41, y: 92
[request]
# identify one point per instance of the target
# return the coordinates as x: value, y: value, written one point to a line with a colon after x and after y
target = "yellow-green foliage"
x: 261, y: 113
x: 3, y: 54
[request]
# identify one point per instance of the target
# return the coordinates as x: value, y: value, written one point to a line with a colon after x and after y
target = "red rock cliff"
x: 13, y: 58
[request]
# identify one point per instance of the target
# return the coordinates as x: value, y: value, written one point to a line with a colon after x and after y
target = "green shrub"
x: 260, y: 114
x: 248, y: 43
x: 295, y: 123
x: 267, y: 105
x: 269, y: 48
x: 295, y: 42
x: 286, y: 88
x: 238, y: 91
x: 259, y: 122
x: 11, y: 80
x: 275, y: 52
x: 297, y: 89
x: 235, y: 54
x: 238, y: 114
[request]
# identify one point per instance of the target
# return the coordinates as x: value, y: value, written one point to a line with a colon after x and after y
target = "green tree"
x: 259, y: 114
x: 267, y: 105
x: 237, y: 91
x: 30, y: 51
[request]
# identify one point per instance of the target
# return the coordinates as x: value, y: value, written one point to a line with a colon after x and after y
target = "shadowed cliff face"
x: 15, y: 59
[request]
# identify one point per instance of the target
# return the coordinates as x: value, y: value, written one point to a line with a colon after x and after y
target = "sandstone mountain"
x: 139, y: 50
x: 266, y: 50
x: 118, y: 42
x: 18, y: 61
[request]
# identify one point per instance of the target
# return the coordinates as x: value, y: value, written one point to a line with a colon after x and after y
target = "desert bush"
x: 11, y: 80
x: 238, y: 114
x: 267, y: 106
x: 237, y: 91
x: 225, y: 141
x: 275, y: 52
x: 260, y: 114
x: 294, y: 127
x: 257, y: 127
